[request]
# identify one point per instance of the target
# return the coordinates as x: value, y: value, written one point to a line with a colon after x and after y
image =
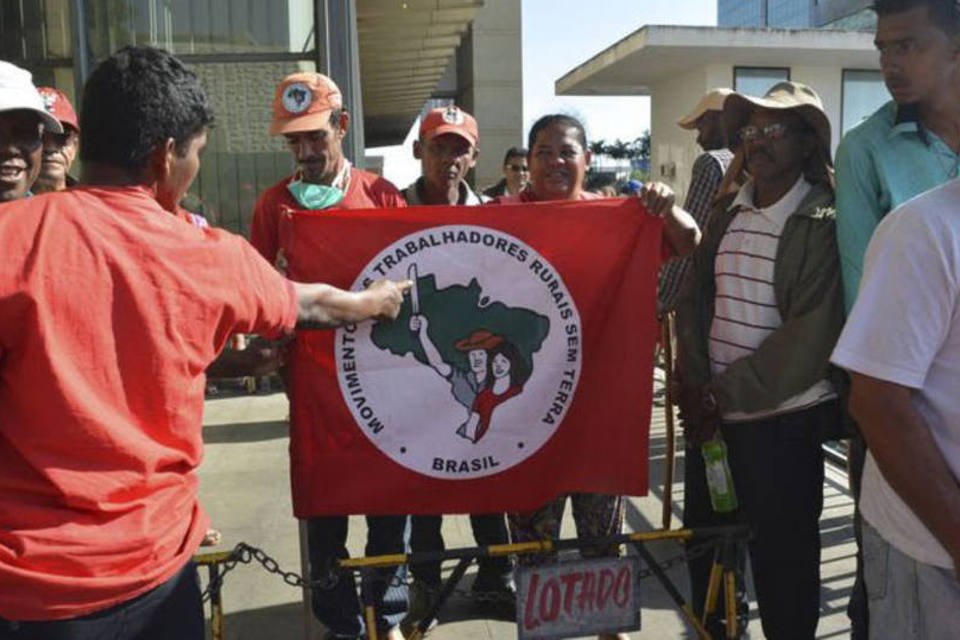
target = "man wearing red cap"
x: 308, y: 112
x: 59, y: 149
x: 447, y: 150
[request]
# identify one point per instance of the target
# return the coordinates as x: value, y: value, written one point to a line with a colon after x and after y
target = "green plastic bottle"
x: 723, y: 497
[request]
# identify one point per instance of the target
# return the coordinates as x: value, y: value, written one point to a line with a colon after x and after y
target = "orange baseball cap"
x: 58, y: 105
x: 303, y: 102
x: 450, y: 119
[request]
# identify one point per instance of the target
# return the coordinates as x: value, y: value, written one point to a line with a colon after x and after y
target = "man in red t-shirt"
x: 111, y: 308
x: 308, y: 112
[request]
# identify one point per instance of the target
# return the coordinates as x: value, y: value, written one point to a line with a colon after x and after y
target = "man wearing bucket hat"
x: 705, y: 178
x: 23, y: 121
x: 59, y: 149
x: 762, y: 310
x: 308, y: 112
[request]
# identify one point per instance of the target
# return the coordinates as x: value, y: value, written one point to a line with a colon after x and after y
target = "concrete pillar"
x: 490, y: 79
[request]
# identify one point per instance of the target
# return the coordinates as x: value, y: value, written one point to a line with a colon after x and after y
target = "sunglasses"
x: 518, y: 168
x: 772, y: 131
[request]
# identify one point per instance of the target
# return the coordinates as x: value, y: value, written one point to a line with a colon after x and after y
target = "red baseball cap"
x: 450, y: 119
x: 58, y: 105
x: 303, y: 102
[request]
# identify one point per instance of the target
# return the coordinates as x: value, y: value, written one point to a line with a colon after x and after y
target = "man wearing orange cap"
x: 447, y: 150
x: 308, y: 112
x: 59, y: 149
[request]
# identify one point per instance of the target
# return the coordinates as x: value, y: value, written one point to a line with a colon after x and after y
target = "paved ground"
x: 245, y: 487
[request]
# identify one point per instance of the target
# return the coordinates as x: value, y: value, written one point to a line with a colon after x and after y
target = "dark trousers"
x: 335, y: 601
x: 488, y: 529
x: 172, y: 610
x: 777, y: 468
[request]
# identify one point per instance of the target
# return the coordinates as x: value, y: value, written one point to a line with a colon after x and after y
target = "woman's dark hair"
x: 514, y: 152
x: 560, y: 120
x: 137, y: 99
x: 943, y: 14
x: 519, y: 369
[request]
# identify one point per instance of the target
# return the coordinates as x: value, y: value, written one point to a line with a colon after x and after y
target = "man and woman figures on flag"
x: 496, y: 372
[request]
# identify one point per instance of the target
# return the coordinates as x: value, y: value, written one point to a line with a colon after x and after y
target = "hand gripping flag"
x: 519, y: 368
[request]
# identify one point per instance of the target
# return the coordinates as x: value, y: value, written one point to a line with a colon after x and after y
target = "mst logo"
x: 481, y: 366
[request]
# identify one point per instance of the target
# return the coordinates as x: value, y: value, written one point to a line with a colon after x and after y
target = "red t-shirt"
x: 110, y: 311
x: 365, y: 191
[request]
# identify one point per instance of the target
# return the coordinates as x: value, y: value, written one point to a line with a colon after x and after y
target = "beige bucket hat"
x: 781, y: 96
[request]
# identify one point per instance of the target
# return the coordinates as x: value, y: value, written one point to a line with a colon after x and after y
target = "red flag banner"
x: 519, y: 368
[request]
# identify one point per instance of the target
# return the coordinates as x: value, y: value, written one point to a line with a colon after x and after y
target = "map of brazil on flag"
x: 519, y: 367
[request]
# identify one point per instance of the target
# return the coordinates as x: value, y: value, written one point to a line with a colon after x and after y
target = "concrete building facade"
x: 389, y: 58
x: 676, y: 65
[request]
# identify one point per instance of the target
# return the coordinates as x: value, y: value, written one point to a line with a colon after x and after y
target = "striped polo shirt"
x: 745, y: 309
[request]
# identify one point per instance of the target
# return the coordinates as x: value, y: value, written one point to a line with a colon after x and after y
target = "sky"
x: 559, y: 35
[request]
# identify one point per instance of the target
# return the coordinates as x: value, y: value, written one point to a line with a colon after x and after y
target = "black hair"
x: 137, y: 99
x: 514, y: 152
x: 558, y: 119
x: 335, y: 116
x: 519, y: 369
x: 943, y: 14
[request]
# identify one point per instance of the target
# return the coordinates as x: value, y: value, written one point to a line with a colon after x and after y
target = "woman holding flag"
x: 558, y: 160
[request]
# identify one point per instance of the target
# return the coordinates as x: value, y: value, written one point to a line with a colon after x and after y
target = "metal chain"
x: 244, y: 553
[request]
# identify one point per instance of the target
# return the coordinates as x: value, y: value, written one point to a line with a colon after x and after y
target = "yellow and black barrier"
x: 212, y: 562
x: 724, y: 542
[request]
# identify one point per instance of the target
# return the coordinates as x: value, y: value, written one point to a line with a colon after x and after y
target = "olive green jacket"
x: 809, y: 295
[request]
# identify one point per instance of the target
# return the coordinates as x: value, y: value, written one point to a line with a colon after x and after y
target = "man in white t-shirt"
x: 902, y: 346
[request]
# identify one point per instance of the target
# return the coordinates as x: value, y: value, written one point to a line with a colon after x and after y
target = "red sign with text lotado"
x: 584, y: 597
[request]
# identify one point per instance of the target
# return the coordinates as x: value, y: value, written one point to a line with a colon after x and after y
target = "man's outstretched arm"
x: 322, y: 306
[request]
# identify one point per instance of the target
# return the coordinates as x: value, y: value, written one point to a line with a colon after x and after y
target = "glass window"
x: 789, y: 13
x: 755, y: 81
x: 201, y: 26
x: 863, y: 93
x: 36, y: 35
x: 740, y: 13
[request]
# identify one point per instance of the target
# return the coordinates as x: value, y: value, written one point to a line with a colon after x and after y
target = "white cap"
x: 17, y: 92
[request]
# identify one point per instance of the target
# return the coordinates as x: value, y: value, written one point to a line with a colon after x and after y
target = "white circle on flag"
x: 479, y: 370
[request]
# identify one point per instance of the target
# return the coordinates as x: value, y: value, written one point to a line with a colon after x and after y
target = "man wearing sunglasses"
x: 23, y: 122
x: 762, y: 310
x: 516, y: 174
x: 59, y: 149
